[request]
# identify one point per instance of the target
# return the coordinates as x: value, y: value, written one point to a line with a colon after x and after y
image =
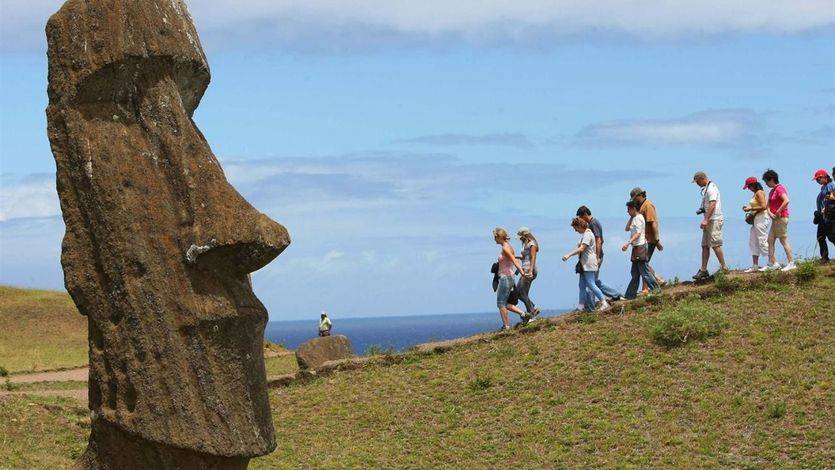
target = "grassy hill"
x: 755, y: 389
x: 40, y: 330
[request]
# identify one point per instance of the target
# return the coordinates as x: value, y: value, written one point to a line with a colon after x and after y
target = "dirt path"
x: 76, y: 375
x: 77, y: 394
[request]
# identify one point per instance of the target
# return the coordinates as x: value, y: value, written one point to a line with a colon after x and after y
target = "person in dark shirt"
x: 597, y: 229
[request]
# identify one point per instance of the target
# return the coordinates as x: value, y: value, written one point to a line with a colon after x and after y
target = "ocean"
x: 398, y: 333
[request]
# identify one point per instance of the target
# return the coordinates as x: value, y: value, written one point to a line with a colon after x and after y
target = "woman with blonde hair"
x: 506, y: 266
x: 587, y: 266
x: 530, y: 248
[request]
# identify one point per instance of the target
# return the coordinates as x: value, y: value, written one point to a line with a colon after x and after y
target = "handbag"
x: 640, y: 254
x: 578, y: 268
x: 749, y: 218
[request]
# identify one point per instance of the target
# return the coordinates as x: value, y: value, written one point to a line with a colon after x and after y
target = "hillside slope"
x: 598, y: 391
x: 40, y: 330
x: 591, y: 393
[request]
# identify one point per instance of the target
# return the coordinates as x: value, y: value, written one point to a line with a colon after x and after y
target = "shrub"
x: 3, y: 372
x: 587, y: 317
x: 692, y: 319
x: 723, y: 282
x: 480, y: 383
x: 777, y: 410
x: 806, y: 271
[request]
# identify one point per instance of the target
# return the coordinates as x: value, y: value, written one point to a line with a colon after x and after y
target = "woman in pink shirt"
x: 778, y: 210
x: 508, y: 264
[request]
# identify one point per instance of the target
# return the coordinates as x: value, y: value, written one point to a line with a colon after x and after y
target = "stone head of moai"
x: 158, y: 245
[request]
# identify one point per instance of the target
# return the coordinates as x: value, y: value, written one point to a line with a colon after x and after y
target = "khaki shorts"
x: 712, y: 234
x: 779, y: 227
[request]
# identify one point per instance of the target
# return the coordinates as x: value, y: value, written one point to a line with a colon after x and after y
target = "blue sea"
x: 398, y: 333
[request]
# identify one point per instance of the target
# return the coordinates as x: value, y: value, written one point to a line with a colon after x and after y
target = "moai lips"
x: 158, y: 244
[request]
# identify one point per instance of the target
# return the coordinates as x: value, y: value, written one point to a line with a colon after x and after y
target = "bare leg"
x: 771, y: 258
x: 720, y: 255
x: 503, y: 313
x: 788, y: 248
x: 705, y: 257
x: 515, y: 309
x: 756, y: 259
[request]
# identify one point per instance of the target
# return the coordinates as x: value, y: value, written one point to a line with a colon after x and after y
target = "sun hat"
x: 748, y: 182
x: 820, y: 174
x: 635, y: 192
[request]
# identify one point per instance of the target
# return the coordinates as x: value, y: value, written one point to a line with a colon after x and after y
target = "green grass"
x: 281, y: 365
x: 691, y: 320
x: 603, y: 394
x: 40, y: 330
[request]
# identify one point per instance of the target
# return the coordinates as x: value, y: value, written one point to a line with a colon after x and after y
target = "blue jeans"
x: 607, y: 291
x: 640, y: 270
x: 588, y: 280
x: 506, y: 285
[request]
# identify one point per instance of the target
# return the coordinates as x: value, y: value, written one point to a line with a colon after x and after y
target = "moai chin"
x: 158, y: 245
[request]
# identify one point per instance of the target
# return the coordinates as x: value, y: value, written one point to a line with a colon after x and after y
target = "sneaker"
x: 504, y: 328
x: 701, y: 275
x: 581, y: 307
x: 661, y: 281
x: 616, y: 298
x: 770, y: 267
x: 534, y: 313
x: 789, y: 267
x: 603, y: 306
x: 752, y: 269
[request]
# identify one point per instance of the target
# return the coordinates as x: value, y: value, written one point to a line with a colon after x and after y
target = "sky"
x: 390, y: 137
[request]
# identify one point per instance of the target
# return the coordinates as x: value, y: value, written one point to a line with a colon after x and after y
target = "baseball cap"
x: 699, y: 174
x: 635, y: 192
x: 820, y: 174
x: 748, y: 182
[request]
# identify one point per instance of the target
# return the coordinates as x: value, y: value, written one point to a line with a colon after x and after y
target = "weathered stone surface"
x: 317, y: 351
x: 158, y: 245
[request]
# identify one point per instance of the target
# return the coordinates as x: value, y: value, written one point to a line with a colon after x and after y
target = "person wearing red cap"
x: 825, y: 215
x: 755, y: 215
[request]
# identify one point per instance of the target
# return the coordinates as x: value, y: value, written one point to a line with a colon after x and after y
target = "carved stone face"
x: 158, y: 246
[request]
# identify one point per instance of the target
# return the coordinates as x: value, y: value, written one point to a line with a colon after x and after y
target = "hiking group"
x: 768, y: 216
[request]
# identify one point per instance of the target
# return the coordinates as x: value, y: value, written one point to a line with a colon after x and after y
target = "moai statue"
x: 158, y: 245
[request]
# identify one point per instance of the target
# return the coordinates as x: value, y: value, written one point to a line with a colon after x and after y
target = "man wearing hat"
x: 711, y: 225
x: 825, y: 215
x: 653, y: 231
x: 325, y: 325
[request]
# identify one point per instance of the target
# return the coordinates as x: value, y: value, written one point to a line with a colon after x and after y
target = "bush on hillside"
x: 806, y: 271
x: 3, y: 372
x: 690, y: 320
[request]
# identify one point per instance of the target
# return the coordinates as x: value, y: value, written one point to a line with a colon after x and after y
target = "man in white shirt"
x: 325, y: 325
x: 711, y: 225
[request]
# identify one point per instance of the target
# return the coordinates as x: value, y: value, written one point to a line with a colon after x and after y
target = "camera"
x: 701, y: 211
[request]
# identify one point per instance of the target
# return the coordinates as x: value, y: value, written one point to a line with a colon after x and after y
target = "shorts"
x: 506, y: 286
x: 779, y: 227
x: 712, y: 234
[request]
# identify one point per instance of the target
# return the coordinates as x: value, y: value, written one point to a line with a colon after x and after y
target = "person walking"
x: 596, y: 228
x: 636, y: 226
x: 325, y: 325
x: 778, y: 211
x: 712, y: 224
x: 530, y: 250
x: 825, y: 215
x: 756, y: 216
x: 588, y: 265
x: 653, y: 231
x: 507, y: 263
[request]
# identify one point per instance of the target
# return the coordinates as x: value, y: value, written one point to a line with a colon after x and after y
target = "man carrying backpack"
x: 825, y: 215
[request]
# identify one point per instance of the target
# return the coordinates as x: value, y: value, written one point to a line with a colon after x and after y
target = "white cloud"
x: 715, y: 127
x: 338, y: 24
x: 32, y: 196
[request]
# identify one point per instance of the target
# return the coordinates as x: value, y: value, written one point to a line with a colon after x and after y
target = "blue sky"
x: 390, y: 138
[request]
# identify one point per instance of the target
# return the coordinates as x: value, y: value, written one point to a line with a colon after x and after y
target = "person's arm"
x: 598, y: 248
x: 628, y: 224
x: 711, y: 208
x: 508, y: 251
x: 632, y: 240
x: 575, y: 251
x: 785, y: 198
x: 534, y: 250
